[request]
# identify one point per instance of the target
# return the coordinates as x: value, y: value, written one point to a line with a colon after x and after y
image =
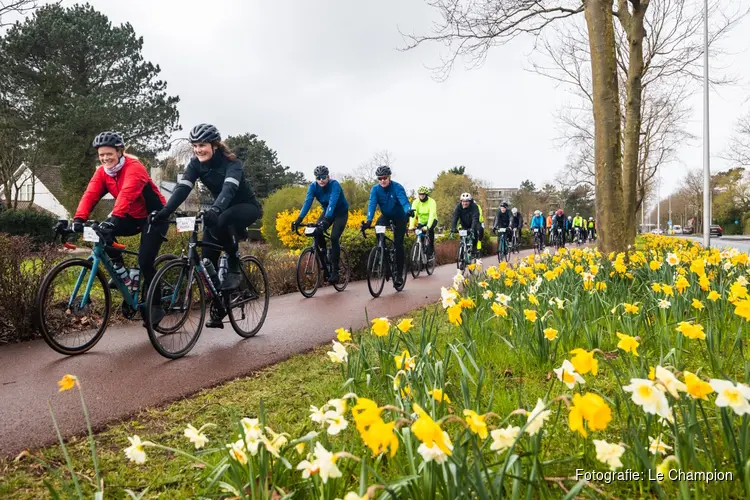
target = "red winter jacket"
x: 135, y: 193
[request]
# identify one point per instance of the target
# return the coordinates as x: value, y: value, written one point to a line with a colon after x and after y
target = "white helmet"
x: 514, y: 210
x: 537, y: 212
x: 465, y: 197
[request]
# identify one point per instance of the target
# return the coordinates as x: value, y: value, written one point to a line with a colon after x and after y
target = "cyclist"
x: 592, y: 228
x: 235, y: 206
x: 467, y: 212
x: 331, y: 197
x: 516, y: 222
x: 480, y: 235
x: 538, y: 222
x: 391, y: 197
x: 502, y: 220
x: 558, y: 221
x: 569, y: 227
x: 136, y: 195
x: 578, y: 224
x: 549, y: 226
x: 425, y: 209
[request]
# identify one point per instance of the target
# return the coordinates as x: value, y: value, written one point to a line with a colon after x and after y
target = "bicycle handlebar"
x: 62, y: 229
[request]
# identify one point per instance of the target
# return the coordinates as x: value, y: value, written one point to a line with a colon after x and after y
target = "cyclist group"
x: 141, y: 208
x: 560, y: 229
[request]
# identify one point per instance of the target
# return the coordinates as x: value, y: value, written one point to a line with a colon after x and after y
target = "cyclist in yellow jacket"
x: 425, y: 210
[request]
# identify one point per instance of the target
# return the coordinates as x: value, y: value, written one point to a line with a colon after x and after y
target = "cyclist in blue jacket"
x: 537, y: 222
x: 331, y: 197
x: 394, y: 205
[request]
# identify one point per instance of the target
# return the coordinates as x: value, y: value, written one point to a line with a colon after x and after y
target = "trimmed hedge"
x: 35, y: 224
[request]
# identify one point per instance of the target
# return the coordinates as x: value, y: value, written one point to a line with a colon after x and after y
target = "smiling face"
x: 203, y: 151
x: 422, y: 196
x: 384, y: 180
x: 109, y: 156
x: 465, y: 203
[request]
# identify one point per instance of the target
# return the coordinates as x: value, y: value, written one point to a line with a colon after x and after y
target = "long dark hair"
x: 220, y: 146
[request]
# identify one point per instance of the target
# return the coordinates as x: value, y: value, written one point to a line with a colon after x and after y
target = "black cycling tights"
x: 399, y: 224
x: 232, y: 221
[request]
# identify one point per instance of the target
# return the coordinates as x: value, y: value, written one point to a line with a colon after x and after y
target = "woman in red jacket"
x: 136, y: 195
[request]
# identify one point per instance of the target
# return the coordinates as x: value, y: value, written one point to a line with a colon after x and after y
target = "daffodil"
x: 135, y: 451
x: 669, y: 381
x: 657, y: 446
x: 742, y: 309
x: 433, y: 453
x: 380, y: 437
x: 530, y: 314
x: 536, y: 418
x: 336, y: 422
x: 466, y: 303
x: 338, y: 354
x: 324, y: 464
x: 532, y: 299
x: 584, y: 361
x: 343, y: 335
x: 251, y: 427
x: 439, y: 395
x: 667, y: 290
x: 735, y: 396
x: 567, y: 374
x: 627, y: 343
x: 404, y: 361
x: 454, y: 315
x: 499, y: 310
x: 591, y: 409
x: 503, y: 299
x: 696, y: 387
x: 664, y: 304
x: 487, y: 295
x: 428, y: 431
x: 714, y: 296
x: 672, y: 259
x: 237, y: 451
x: 646, y: 395
x: 67, y: 382
x: 448, y: 296
x: 476, y: 423
x: 550, y: 333
x: 609, y: 453
x: 656, y: 287
x: 697, y: 304
x: 502, y: 439
x: 381, y: 326
x: 691, y: 331
x: 196, y: 436
x: 274, y: 441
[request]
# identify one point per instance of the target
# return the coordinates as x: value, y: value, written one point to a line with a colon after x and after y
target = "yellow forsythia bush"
x: 290, y: 239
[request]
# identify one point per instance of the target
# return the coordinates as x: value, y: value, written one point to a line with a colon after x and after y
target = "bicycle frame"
x: 467, y: 242
x: 315, y: 248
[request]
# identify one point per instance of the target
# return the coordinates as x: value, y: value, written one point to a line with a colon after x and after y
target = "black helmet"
x: 111, y: 139
x: 383, y: 170
x: 204, y: 133
x: 504, y: 204
x: 320, y: 171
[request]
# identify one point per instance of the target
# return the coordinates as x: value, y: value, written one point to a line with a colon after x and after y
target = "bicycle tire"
x: 415, y: 263
x: 306, y: 259
x: 167, y: 333
x: 404, y: 275
x: 461, y: 262
x: 375, y: 258
x: 246, y: 293
x: 431, y: 263
x: 344, y: 271
x: 41, y: 317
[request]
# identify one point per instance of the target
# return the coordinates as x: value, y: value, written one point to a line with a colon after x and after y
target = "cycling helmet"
x: 577, y: 214
x: 537, y: 212
x: 504, y: 204
x: 514, y: 210
x: 423, y: 190
x: 559, y: 211
x: 591, y: 218
x: 383, y: 170
x: 569, y: 217
x: 320, y: 171
x: 551, y: 212
x: 111, y: 139
x: 204, y: 133
x: 465, y: 197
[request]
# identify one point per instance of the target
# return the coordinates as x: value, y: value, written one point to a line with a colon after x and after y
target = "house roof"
x: 25, y: 205
x: 51, y: 177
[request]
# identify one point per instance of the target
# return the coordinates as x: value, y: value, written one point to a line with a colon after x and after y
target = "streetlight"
x: 706, y: 144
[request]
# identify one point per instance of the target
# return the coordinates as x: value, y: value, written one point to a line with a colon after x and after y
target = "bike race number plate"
x: 502, y: 229
x: 90, y: 235
x: 536, y: 229
x: 463, y: 232
x: 310, y: 230
x: 417, y: 232
x: 379, y: 229
x: 185, y: 224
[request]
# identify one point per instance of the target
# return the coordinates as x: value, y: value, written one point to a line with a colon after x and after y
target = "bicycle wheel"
x: 178, y: 291
x: 461, y: 262
x: 68, y: 323
x: 248, y: 305
x: 375, y: 271
x: 415, y: 263
x: 308, y: 273
x: 404, y: 274
x: 431, y: 263
x: 344, y: 271
x: 506, y: 251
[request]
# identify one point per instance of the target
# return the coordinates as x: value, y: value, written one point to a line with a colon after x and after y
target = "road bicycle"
x: 558, y: 238
x: 74, y: 302
x: 538, y: 241
x: 310, y: 265
x: 515, y: 247
x: 465, y: 248
x: 419, y: 258
x: 503, y: 249
x: 183, y: 287
x: 381, y: 262
x: 579, y: 236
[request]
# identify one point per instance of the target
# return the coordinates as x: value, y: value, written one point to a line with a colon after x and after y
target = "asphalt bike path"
x: 123, y: 374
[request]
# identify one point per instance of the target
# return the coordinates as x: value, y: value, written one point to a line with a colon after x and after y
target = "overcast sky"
x: 323, y: 82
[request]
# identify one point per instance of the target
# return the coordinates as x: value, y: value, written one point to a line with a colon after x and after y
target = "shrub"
x: 175, y: 244
x: 21, y: 273
x: 33, y: 223
x: 290, y: 239
x: 290, y: 197
x: 280, y: 267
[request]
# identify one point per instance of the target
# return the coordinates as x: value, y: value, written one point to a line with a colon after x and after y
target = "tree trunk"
x: 633, y: 26
x: 606, y: 104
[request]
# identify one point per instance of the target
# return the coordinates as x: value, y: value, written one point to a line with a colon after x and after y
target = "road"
x: 123, y: 374
x: 741, y: 243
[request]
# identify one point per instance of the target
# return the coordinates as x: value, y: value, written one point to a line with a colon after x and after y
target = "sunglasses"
x: 384, y: 178
x: 322, y: 177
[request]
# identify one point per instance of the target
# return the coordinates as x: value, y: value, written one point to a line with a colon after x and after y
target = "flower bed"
x: 571, y: 374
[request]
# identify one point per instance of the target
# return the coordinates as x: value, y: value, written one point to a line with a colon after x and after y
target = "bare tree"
x: 739, y: 146
x: 366, y: 171
x: 18, y: 7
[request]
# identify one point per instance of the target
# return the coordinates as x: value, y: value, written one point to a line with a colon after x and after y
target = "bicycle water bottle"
x: 135, y: 279
x: 212, y: 273
x: 223, y: 267
x: 122, y: 273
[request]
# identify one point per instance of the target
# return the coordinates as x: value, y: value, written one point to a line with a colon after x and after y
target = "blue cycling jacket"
x: 331, y: 198
x: 537, y: 221
x: 392, y: 201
